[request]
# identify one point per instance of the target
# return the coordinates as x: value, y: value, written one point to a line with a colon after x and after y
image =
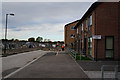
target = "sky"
x: 44, y: 19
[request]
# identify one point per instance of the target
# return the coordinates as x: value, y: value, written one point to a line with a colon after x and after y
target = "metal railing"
x: 72, y: 52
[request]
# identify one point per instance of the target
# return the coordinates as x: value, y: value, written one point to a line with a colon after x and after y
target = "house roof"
x: 71, y: 23
x: 93, y: 7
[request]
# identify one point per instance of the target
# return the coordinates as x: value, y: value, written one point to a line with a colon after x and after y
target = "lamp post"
x: 6, y: 33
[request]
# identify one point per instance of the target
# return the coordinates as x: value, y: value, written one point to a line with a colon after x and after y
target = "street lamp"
x: 6, y: 32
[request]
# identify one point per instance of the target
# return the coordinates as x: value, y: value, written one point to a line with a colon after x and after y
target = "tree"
x: 39, y: 39
x: 16, y: 40
x: 47, y: 40
x: 12, y: 39
x: 32, y: 39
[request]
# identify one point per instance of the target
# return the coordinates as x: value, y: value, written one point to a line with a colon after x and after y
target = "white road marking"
x: 43, y: 53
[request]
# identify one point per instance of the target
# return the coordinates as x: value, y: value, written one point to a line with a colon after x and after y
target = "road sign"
x: 96, y: 36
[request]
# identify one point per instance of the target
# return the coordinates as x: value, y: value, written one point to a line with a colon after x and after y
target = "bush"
x: 82, y: 58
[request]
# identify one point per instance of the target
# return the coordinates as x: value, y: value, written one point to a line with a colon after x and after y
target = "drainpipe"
x: 118, y: 30
x: 95, y: 55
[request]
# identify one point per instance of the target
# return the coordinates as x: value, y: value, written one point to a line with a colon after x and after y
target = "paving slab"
x: 93, y: 69
x: 95, y: 65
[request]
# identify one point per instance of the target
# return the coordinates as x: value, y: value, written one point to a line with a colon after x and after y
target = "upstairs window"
x: 72, y: 28
x: 77, y: 31
x: 87, y: 22
x: 90, y: 21
x: 81, y: 27
x: 72, y: 36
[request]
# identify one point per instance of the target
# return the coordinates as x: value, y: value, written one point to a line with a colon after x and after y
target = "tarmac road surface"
x: 14, y: 62
x: 52, y: 66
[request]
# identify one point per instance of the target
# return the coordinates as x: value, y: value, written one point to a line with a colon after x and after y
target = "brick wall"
x: 119, y: 30
x: 107, y: 25
x: 68, y: 32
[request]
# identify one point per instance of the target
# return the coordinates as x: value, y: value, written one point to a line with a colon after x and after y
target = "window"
x: 90, y: 45
x: 109, y: 45
x: 90, y: 21
x: 72, y: 36
x: 72, y: 28
x: 81, y: 25
x: 77, y: 31
x: 81, y: 28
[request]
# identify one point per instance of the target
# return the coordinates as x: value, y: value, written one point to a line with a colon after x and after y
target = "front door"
x: 109, y: 47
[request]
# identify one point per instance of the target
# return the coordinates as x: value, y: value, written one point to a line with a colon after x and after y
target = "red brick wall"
x: 119, y: 30
x: 93, y: 32
x: 105, y: 22
x: 107, y: 25
x: 68, y: 32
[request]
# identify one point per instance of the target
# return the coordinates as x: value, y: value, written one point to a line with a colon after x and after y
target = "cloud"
x: 46, y: 19
x: 49, y: 0
x: 1, y: 34
x: 60, y: 0
x: 45, y: 30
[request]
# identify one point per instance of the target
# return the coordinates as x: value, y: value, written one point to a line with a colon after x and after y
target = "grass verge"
x: 80, y: 57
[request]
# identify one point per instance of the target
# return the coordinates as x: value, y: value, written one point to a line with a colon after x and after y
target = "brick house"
x: 70, y: 34
x: 98, y: 33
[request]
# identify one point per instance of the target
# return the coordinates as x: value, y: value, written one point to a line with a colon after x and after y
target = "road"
x: 52, y: 66
x: 14, y: 62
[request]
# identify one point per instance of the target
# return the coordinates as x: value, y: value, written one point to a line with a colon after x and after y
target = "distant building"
x: 70, y: 34
x: 98, y: 32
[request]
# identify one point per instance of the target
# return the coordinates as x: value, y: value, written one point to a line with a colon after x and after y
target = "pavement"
x: 93, y: 68
x: 95, y: 65
x: 52, y: 65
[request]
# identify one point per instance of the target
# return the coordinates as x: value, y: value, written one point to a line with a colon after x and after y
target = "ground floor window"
x: 109, y: 46
x: 90, y: 45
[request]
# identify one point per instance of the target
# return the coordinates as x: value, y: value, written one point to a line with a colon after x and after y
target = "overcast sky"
x: 45, y: 19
